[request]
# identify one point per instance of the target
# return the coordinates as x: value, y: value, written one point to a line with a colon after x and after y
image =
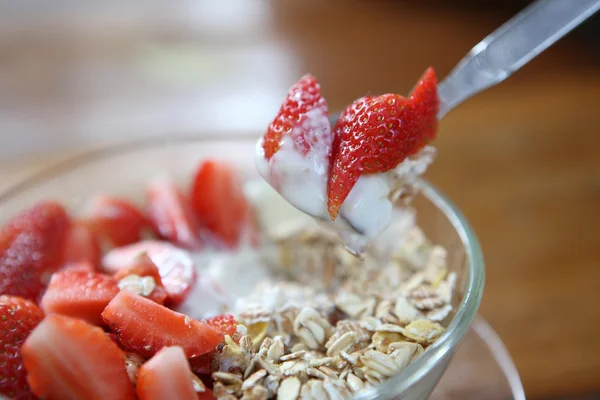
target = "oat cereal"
x: 326, y: 324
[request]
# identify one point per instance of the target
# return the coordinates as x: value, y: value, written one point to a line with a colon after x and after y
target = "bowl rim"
x: 467, y: 309
x: 416, y: 370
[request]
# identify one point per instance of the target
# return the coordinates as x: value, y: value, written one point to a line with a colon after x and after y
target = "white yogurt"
x: 222, y: 278
x: 302, y: 181
x: 367, y: 207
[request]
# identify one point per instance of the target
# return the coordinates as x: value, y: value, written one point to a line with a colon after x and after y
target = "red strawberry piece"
x: 293, y: 120
x: 425, y: 102
x: 176, y: 267
x: 80, y: 266
x: 167, y: 375
x: 171, y: 214
x: 31, y: 249
x: 18, y: 317
x: 142, y: 267
x: 376, y: 133
x: 79, y: 294
x: 220, y: 204
x: 226, y: 324
x: 67, y: 358
x: 146, y: 327
x: 116, y: 220
x: 201, y: 365
x: 82, y: 246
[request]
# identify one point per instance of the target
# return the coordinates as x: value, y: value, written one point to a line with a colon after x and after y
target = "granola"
x: 327, y: 325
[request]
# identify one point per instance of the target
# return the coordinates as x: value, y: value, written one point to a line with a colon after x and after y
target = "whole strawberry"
x: 32, y: 248
x: 376, y: 133
x: 18, y: 317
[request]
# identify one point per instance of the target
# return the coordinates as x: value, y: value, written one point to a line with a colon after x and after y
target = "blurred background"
x: 521, y: 160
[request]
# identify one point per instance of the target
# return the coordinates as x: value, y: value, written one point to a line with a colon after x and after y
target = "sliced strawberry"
x: 220, y: 204
x: 67, y: 358
x: 116, y: 220
x: 18, y: 317
x: 226, y: 324
x: 80, y: 266
x: 376, y: 133
x: 82, y: 246
x: 144, y: 286
x: 167, y: 375
x: 146, y: 327
x: 171, y: 214
x: 302, y: 106
x: 143, y: 267
x: 31, y: 249
x: 79, y: 294
x: 176, y: 267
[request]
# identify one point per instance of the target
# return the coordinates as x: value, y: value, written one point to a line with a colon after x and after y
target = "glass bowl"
x: 125, y: 169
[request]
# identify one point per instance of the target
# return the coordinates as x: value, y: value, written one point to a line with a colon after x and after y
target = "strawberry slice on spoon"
x: 293, y: 156
x: 374, y: 135
x: 325, y: 172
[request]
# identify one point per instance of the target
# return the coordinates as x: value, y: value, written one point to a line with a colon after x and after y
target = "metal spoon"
x: 510, y: 47
x: 503, y: 52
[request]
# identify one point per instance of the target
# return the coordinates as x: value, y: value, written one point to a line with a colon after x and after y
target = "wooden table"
x: 522, y: 160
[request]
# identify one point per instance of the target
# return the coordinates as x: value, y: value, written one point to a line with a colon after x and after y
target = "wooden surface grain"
x: 522, y: 160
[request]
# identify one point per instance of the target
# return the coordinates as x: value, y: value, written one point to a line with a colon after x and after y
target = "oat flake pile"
x: 329, y: 325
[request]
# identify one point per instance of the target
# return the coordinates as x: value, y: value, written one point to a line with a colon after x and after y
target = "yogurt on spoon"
x: 348, y: 176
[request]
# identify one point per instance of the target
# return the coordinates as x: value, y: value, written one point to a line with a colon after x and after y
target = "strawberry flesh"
x: 79, y: 266
x: 143, y: 266
x: 166, y: 375
x: 79, y: 294
x: 68, y: 358
x: 116, y: 220
x: 31, y: 249
x: 176, y: 267
x: 171, y: 214
x: 82, y: 246
x: 146, y: 327
x: 219, y: 202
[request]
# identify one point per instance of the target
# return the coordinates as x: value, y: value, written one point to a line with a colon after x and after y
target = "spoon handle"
x: 511, y: 46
